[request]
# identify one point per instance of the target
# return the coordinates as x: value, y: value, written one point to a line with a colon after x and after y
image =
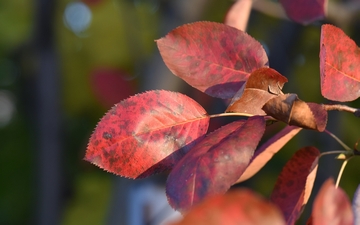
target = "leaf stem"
x: 230, y: 114
x: 333, y: 152
x: 267, y: 118
x: 341, y: 172
x: 344, y: 108
x: 338, y: 140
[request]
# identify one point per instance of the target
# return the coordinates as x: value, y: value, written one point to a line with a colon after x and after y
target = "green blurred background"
x: 64, y: 63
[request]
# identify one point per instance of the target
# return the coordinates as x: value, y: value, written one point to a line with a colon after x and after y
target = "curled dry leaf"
x: 290, y: 109
x: 214, y: 58
x: 240, y: 206
x: 295, y: 182
x: 305, y: 11
x: 215, y: 163
x: 147, y: 133
x: 332, y: 206
x: 356, y: 206
x: 263, y: 84
x: 267, y: 150
x: 339, y: 65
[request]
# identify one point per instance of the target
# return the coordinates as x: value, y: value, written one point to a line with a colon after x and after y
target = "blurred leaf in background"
x: 16, y: 20
x: 113, y: 37
x: 102, y: 46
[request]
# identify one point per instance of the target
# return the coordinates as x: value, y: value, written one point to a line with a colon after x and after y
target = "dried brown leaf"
x: 290, y: 109
x: 263, y: 84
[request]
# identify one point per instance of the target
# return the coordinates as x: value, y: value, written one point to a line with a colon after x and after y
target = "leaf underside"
x: 214, y: 58
x: 267, y: 150
x: 147, y: 133
x: 215, y: 163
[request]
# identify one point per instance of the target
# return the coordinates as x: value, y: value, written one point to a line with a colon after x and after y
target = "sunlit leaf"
x: 215, y: 58
x: 146, y: 133
x: 305, y: 11
x: 236, y: 207
x: 293, y: 186
x: 215, y: 163
x: 263, y: 84
x: 339, y: 65
x: 293, y: 111
x: 267, y: 150
x: 332, y: 206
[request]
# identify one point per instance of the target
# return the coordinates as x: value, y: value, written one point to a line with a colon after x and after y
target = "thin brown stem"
x: 344, y: 108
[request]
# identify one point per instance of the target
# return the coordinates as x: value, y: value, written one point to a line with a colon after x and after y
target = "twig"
x: 344, y: 108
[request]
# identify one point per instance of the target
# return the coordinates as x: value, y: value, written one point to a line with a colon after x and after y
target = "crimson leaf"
x: 304, y: 11
x: 339, y: 65
x: 215, y: 163
x: 212, y: 57
x: 146, y: 133
x: 293, y: 186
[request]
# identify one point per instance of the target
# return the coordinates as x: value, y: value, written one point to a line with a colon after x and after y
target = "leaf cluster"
x: 160, y: 131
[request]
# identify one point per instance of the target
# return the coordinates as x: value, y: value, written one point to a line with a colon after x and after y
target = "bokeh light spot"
x: 77, y: 17
x: 7, y: 108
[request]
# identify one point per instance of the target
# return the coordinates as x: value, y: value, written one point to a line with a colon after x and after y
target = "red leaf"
x: 293, y: 187
x: 236, y: 207
x: 212, y: 57
x: 238, y: 15
x: 331, y: 206
x: 339, y: 65
x: 263, y: 84
x: 305, y: 11
x: 266, y: 151
x: 111, y: 86
x: 215, y: 163
x: 356, y: 206
x: 146, y: 133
